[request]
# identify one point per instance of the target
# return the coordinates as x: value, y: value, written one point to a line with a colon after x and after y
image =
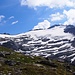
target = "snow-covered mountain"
x: 56, y: 42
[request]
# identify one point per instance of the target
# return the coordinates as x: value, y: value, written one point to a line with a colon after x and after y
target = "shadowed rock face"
x: 57, y: 42
x: 70, y: 29
x: 11, y: 44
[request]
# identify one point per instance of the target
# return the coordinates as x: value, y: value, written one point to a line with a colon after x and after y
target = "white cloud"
x: 42, y: 25
x: 48, y: 3
x: 11, y: 17
x: 56, y: 17
x: 70, y: 15
x: 14, y: 22
x: 1, y: 17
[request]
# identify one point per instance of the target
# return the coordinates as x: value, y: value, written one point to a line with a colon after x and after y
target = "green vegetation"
x: 13, y: 63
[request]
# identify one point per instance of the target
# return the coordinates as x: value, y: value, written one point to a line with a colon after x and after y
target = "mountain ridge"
x: 57, y: 42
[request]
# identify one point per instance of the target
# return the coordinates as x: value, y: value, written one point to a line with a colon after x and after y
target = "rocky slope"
x: 13, y: 63
x: 57, y: 42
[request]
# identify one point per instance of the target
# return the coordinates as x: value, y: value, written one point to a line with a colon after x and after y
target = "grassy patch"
x: 13, y: 63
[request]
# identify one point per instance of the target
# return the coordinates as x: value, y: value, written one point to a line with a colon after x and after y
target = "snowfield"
x: 52, y: 42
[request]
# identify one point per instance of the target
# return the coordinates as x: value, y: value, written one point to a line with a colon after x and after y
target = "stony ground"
x: 13, y: 63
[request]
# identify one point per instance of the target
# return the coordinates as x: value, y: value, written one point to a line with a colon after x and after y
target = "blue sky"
x: 19, y: 16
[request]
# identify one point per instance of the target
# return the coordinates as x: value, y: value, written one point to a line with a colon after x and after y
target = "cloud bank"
x: 56, y: 16
x: 70, y: 15
x: 42, y: 25
x: 67, y: 6
x: 48, y: 3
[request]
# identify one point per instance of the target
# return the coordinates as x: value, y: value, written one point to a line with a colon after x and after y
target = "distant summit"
x: 5, y: 33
